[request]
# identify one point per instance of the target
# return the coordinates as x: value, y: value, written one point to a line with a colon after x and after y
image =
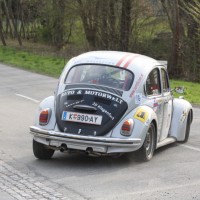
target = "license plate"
x: 82, y: 118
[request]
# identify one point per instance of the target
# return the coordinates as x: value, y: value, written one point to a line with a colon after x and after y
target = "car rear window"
x: 114, y: 77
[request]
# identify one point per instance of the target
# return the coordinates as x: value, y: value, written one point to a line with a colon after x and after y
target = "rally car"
x: 110, y: 103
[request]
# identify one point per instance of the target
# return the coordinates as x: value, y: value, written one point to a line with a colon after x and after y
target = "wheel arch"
x: 152, y: 118
x: 182, y: 109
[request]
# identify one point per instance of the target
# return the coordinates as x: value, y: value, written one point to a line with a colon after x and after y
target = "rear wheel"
x: 42, y: 151
x: 145, y: 153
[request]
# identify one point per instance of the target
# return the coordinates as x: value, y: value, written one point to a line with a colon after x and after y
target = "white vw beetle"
x: 109, y: 103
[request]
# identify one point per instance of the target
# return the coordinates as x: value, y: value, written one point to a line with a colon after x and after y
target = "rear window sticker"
x: 138, y: 98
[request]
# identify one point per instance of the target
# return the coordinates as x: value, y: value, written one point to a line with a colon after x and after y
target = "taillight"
x: 127, y: 127
x: 45, y: 116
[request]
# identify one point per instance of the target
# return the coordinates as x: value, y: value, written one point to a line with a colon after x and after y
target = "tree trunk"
x: 172, y: 10
x: 125, y: 25
x: 89, y: 16
x: 1, y: 34
x: 8, y: 24
x: 10, y: 14
x: 104, y: 25
x: 112, y: 21
x: 176, y: 37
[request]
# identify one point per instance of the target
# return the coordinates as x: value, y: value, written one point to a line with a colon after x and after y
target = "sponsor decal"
x: 160, y: 101
x: 138, y: 98
x: 79, y: 92
x: 103, y: 110
x: 93, y: 93
x: 155, y: 105
x: 104, y: 95
x: 183, y: 116
x: 136, y: 85
x: 168, y: 120
x: 68, y: 92
x: 97, y: 60
x: 147, y: 122
x: 72, y: 104
x: 142, y: 115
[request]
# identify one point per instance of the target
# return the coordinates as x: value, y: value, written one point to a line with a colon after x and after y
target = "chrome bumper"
x: 67, y: 138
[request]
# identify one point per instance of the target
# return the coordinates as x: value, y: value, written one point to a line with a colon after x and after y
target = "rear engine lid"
x: 88, y: 111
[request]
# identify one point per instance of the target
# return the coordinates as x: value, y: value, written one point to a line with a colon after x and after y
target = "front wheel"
x: 42, y: 151
x: 145, y: 153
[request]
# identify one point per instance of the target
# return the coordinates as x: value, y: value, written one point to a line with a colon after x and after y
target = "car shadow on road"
x: 81, y: 164
x: 76, y: 162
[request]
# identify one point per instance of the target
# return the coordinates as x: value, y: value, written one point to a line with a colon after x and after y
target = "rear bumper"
x: 79, y: 142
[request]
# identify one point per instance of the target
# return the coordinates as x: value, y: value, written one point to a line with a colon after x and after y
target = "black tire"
x: 42, y: 151
x: 187, y: 130
x: 145, y: 153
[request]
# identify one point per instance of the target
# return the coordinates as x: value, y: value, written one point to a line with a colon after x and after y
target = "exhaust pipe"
x: 63, y: 148
x: 89, y: 150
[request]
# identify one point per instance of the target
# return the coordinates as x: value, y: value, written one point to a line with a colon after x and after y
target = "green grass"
x: 191, y: 93
x: 48, y: 65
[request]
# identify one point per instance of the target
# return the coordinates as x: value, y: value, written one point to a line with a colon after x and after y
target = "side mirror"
x: 179, y: 90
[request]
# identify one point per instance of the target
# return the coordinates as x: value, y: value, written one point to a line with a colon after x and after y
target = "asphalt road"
x: 173, y: 173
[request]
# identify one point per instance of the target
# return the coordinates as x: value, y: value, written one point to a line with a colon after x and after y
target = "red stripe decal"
x: 130, y: 60
x: 122, y: 59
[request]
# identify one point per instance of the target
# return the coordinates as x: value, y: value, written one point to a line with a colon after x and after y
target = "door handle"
x: 166, y: 101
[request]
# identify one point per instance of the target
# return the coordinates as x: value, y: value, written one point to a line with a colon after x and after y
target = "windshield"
x: 118, y: 78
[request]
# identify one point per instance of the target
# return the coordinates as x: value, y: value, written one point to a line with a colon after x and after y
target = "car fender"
x: 46, y: 103
x: 181, y: 109
x: 141, y: 123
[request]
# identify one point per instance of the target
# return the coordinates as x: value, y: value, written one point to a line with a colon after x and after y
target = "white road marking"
x: 29, y: 98
x: 190, y: 147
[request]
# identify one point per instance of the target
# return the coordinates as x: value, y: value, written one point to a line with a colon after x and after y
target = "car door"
x: 166, y: 104
x: 154, y: 96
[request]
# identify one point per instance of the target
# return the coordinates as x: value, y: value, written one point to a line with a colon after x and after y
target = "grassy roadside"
x: 191, y: 93
x: 52, y: 66
x: 48, y: 65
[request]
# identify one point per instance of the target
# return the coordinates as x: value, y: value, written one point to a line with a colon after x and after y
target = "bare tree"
x: 172, y: 10
x: 2, y: 34
x: 191, y: 16
x: 125, y: 25
x: 89, y: 12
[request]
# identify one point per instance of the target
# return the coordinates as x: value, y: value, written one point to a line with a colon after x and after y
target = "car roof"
x: 132, y: 61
